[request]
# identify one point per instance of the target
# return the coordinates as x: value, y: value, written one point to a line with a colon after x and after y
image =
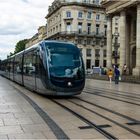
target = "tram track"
x: 93, y: 125
x: 109, y: 110
x: 117, y: 94
x: 132, y: 98
x: 107, y: 118
x: 116, y: 91
x: 112, y: 98
x: 122, y: 93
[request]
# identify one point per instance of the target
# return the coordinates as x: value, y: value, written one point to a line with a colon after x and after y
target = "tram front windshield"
x: 64, y: 60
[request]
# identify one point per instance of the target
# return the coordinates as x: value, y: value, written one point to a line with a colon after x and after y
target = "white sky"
x: 20, y: 19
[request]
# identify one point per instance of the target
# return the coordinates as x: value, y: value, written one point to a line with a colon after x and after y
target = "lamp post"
x: 116, y: 46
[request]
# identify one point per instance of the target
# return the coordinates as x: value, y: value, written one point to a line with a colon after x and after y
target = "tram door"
x: 40, y: 76
x: 29, y: 70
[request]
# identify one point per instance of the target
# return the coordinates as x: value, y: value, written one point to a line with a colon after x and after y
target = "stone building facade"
x: 82, y: 22
x: 40, y: 35
x: 129, y: 33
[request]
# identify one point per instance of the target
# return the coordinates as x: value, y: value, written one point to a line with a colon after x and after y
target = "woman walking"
x: 110, y: 75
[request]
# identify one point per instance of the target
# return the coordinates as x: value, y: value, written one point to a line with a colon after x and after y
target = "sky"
x: 20, y: 19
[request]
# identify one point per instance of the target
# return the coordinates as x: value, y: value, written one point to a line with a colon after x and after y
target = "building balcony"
x: 97, y: 55
x: 76, y: 33
x: 100, y: 34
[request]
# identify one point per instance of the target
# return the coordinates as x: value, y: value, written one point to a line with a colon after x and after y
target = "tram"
x: 49, y: 67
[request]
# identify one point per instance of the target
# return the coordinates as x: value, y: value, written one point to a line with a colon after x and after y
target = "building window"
x: 68, y: 14
x: 116, y: 21
x: 116, y: 29
x: 68, y: 27
x: 97, y: 29
x: 98, y: 17
x: 97, y: 2
x: 88, y: 64
x: 88, y: 52
x: 89, y: 15
x: 88, y: 41
x: 97, y: 53
x: 80, y: 14
x: 89, y: 28
x: 105, y: 27
x: 104, y: 63
x: 97, y: 41
x: 79, y: 41
x: 97, y: 63
x: 104, y: 53
x: 80, y: 27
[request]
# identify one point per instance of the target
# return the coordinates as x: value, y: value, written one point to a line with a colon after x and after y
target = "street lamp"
x: 116, y: 46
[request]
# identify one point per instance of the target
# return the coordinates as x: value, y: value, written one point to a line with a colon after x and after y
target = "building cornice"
x: 60, y: 5
x: 113, y: 7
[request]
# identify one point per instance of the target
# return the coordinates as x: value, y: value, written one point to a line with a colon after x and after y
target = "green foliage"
x: 20, y: 46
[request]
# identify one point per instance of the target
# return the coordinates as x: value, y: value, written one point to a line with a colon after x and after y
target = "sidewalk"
x: 18, y: 119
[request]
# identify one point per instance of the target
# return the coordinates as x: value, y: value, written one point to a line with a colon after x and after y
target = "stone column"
x: 122, y: 39
x: 84, y: 56
x: 93, y: 57
x: 128, y: 44
x: 109, y: 42
x: 136, y: 70
x: 101, y: 57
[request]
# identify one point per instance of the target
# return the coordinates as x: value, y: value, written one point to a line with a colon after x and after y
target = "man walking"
x: 117, y: 74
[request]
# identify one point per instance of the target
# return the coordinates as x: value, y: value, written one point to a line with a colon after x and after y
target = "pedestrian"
x: 100, y: 70
x: 117, y: 74
x: 125, y: 69
x: 110, y: 75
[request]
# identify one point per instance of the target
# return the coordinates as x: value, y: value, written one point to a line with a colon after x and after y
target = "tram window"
x: 29, y: 63
x: 8, y: 66
x: 11, y: 65
x: 18, y: 64
x: 62, y: 60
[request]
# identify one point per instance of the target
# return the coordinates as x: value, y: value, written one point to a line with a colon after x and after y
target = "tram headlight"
x: 69, y: 84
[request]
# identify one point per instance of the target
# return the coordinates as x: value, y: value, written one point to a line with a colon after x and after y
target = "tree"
x: 20, y: 46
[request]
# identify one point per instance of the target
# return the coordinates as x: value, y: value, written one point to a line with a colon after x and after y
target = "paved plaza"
x: 102, y: 111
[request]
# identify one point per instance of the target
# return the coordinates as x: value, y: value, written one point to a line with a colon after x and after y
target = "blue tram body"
x: 49, y: 67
